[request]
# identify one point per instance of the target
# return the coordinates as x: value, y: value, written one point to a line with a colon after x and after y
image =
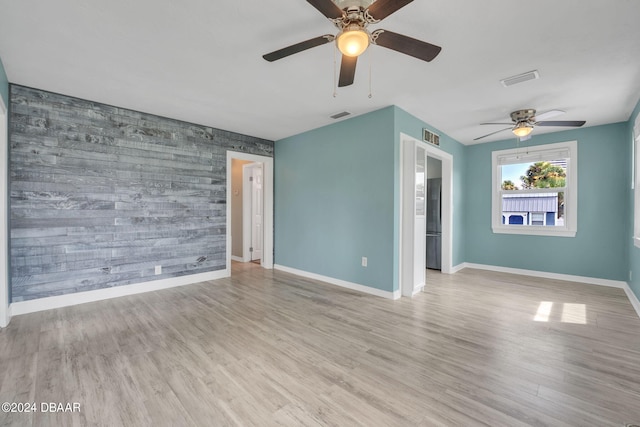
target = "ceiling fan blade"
x: 347, y: 70
x: 492, y: 133
x: 570, y: 123
x: 407, y: 45
x: 497, y: 124
x: 298, y: 47
x: 547, y: 115
x: 383, y: 8
x: 327, y: 8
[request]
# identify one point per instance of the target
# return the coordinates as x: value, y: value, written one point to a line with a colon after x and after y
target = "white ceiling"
x: 201, y: 61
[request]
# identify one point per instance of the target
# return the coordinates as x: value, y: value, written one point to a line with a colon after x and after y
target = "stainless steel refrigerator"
x: 434, y: 223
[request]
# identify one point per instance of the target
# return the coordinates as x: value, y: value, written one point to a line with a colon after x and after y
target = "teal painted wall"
x: 634, y: 253
x: 334, y: 189
x: 412, y: 126
x: 4, y: 85
x: 336, y: 198
x: 599, y: 249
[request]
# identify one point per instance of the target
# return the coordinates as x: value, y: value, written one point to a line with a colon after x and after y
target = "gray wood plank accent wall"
x: 100, y: 195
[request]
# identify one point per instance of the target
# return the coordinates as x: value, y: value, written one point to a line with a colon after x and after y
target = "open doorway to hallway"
x: 246, y: 211
x: 249, y: 209
x: 434, y: 213
x: 414, y: 206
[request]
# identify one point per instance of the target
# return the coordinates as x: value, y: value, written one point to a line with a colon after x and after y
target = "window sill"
x: 636, y: 242
x: 538, y: 231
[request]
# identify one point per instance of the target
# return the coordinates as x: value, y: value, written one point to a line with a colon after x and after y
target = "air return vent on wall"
x: 430, y: 137
x: 340, y: 115
x: 520, y: 78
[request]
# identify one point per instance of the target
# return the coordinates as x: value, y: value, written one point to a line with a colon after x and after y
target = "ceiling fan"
x: 352, y: 18
x: 523, y: 122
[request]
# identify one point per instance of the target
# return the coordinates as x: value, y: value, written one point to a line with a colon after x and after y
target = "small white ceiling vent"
x: 520, y: 78
x: 340, y: 115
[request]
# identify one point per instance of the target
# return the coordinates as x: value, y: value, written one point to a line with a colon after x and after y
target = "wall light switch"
x: 158, y: 269
x: 364, y: 261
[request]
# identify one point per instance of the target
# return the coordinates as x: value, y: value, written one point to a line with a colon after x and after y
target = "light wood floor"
x: 269, y: 348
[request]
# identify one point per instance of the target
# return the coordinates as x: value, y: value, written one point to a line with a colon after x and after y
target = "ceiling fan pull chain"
x: 370, y: 68
x: 335, y: 68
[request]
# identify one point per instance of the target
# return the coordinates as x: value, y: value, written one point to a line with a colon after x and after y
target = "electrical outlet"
x: 364, y: 261
x: 158, y: 269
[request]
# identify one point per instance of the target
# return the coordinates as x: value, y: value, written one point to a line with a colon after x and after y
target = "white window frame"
x: 534, y: 154
x: 636, y: 183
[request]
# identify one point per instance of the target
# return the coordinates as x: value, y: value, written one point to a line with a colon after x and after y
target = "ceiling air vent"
x: 520, y: 78
x: 340, y: 115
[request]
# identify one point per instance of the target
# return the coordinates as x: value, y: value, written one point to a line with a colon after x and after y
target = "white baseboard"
x: 633, y: 298
x: 547, y: 275
x: 568, y: 277
x: 48, y: 303
x: 338, y: 282
x: 237, y: 258
x: 458, y: 267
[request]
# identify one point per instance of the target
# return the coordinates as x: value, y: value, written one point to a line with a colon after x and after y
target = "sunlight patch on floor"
x: 544, y: 310
x: 570, y: 312
x: 574, y: 313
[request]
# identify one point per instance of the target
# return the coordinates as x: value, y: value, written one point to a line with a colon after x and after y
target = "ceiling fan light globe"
x: 522, y: 130
x: 352, y: 42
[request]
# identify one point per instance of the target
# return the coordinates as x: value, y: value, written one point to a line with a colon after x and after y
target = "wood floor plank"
x: 18, y: 386
x: 270, y: 348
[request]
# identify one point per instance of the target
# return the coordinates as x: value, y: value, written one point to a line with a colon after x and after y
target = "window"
x: 636, y: 187
x: 538, y: 218
x: 535, y: 189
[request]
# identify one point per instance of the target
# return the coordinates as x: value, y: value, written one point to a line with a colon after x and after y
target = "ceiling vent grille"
x: 340, y: 115
x: 430, y: 137
x: 520, y: 78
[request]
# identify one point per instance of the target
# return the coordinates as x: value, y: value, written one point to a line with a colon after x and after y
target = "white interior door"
x: 253, y: 211
x: 256, y: 211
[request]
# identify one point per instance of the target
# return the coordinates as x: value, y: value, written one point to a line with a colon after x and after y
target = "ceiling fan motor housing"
x: 346, y: 4
x: 523, y: 115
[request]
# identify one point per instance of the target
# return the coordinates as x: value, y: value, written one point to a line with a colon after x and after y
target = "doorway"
x: 249, y: 209
x: 434, y: 213
x: 414, y: 172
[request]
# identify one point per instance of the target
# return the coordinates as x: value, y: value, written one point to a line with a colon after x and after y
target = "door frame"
x: 267, y: 206
x: 5, y: 315
x: 407, y: 221
x: 247, y: 203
